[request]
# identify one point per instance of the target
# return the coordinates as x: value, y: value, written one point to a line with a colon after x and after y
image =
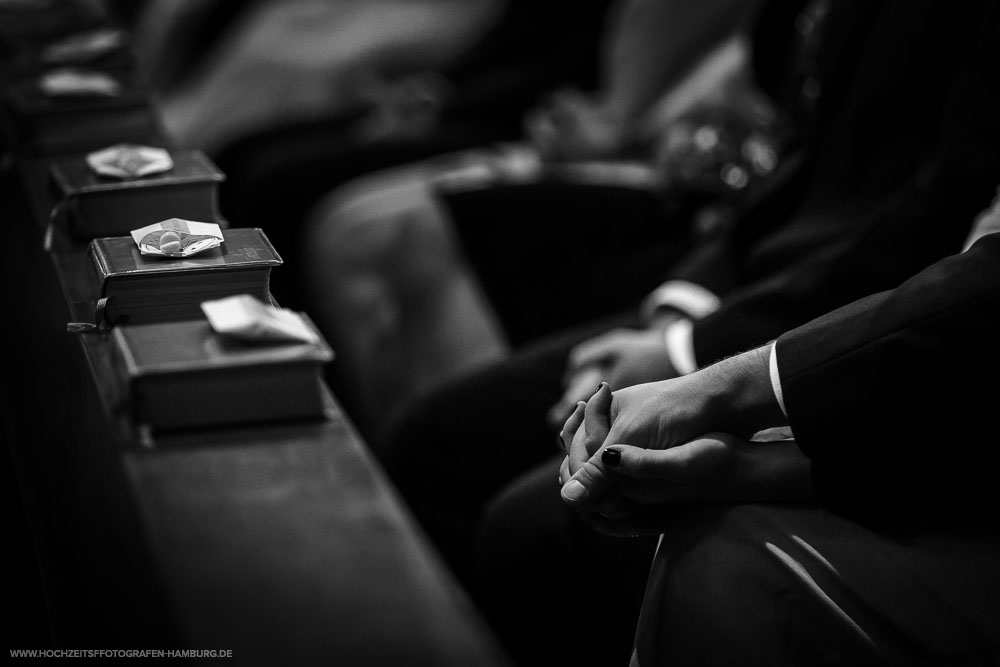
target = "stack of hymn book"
x: 130, y: 288
x: 92, y: 205
x: 185, y: 375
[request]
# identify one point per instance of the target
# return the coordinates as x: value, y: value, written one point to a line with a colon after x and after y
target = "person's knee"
x: 389, y: 225
x: 709, y: 553
x: 347, y: 229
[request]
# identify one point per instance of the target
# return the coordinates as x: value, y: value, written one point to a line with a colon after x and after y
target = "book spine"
x: 267, y: 243
x: 125, y: 356
x: 102, y: 267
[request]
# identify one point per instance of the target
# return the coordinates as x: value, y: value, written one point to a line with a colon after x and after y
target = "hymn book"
x: 91, y: 205
x: 130, y: 288
x: 49, y: 125
x: 185, y: 375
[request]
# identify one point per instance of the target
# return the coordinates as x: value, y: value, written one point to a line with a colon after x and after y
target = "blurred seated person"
x: 388, y: 282
x: 227, y: 69
x: 438, y: 76
x: 867, y: 537
x: 897, y: 156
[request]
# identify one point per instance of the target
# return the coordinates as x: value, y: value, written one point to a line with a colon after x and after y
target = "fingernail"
x: 574, y: 491
x: 600, y: 386
x: 611, y: 457
x: 559, y: 438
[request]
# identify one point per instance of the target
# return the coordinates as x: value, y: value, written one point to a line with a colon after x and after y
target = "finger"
x: 576, y: 440
x: 587, y: 485
x: 557, y: 416
x: 596, y: 420
x: 595, y: 428
x: 656, y: 476
x: 640, y: 463
x: 677, y: 464
x: 579, y: 388
x: 580, y: 445
x: 572, y: 423
x: 592, y: 482
x: 564, y: 473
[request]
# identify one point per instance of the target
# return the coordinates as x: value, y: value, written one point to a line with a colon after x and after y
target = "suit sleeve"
x: 894, y: 397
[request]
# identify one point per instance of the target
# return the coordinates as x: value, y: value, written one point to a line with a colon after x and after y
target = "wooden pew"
x: 283, y: 543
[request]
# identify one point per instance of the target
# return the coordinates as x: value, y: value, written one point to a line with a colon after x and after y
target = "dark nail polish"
x: 611, y: 457
x: 562, y: 444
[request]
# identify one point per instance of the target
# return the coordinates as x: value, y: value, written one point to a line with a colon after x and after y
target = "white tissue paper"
x: 130, y: 161
x: 84, y: 46
x: 245, y: 317
x: 177, y: 238
x: 68, y: 82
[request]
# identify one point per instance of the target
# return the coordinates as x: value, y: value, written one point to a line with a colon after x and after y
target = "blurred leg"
x: 406, y: 283
x: 392, y: 293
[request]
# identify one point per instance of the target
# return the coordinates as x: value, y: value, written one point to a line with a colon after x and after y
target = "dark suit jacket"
x: 895, y: 399
x: 885, y: 68
x: 898, y: 163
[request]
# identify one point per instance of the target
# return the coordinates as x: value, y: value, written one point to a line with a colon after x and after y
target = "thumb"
x: 643, y: 476
x: 639, y: 462
x: 585, y: 488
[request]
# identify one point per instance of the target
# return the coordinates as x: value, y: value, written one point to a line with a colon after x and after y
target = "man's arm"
x: 654, y: 445
x: 894, y: 397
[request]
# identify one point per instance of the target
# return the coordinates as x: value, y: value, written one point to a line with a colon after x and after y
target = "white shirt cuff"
x: 776, y: 379
x: 680, y: 346
x: 690, y: 298
x: 987, y: 222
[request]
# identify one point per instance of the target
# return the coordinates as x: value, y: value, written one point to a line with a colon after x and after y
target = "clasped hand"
x: 635, y: 454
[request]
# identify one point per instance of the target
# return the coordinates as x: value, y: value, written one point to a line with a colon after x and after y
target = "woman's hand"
x: 585, y: 430
x: 639, y: 450
x: 628, y: 490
